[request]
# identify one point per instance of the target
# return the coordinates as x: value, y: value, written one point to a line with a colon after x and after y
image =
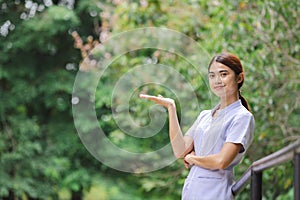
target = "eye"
x: 223, y: 74
x: 211, y: 76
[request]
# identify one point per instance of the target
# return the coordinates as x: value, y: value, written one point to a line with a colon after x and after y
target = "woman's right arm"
x: 181, y: 145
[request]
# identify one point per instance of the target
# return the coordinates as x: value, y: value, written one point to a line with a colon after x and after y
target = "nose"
x: 218, y: 80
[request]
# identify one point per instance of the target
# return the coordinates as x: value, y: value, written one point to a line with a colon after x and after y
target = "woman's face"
x: 223, y: 81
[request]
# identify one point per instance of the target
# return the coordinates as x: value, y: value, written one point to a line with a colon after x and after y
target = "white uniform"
x: 233, y: 124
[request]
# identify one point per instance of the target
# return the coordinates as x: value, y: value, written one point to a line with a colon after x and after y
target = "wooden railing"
x: 254, y: 172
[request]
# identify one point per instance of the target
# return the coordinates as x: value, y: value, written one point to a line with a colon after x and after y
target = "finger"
x: 142, y: 95
x: 160, y: 96
x: 145, y: 96
x: 150, y: 97
x: 186, y: 164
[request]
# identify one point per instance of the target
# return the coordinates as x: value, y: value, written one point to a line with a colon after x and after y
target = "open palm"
x: 166, y: 102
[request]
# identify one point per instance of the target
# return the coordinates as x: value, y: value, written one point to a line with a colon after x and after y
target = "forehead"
x: 217, y: 67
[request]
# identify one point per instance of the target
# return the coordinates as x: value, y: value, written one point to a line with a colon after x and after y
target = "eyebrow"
x: 221, y: 71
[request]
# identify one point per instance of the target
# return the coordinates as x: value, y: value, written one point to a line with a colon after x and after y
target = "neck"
x: 226, y: 101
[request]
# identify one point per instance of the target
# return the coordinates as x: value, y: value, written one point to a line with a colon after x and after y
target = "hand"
x: 187, y: 160
x: 166, y: 102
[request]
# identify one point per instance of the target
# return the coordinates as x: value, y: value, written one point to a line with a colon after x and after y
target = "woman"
x: 218, y: 138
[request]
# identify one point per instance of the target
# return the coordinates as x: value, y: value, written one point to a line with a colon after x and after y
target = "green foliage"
x: 37, y: 134
x: 41, y: 155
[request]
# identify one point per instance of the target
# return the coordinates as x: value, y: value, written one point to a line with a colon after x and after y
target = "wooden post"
x: 256, y: 185
x: 297, y: 176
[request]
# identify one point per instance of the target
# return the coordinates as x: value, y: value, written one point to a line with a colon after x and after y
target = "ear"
x: 240, y: 77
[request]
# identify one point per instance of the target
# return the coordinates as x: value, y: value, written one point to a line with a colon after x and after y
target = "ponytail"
x: 244, y: 101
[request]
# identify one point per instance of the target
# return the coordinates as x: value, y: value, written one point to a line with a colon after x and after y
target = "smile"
x: 219, y: 87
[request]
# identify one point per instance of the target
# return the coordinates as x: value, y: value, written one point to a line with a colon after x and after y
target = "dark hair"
x: 234, y: 63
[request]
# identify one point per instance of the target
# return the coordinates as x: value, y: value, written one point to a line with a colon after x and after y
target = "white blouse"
x: 233, y: 124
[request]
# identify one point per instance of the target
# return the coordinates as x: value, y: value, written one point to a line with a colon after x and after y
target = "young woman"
x: 218, y: 138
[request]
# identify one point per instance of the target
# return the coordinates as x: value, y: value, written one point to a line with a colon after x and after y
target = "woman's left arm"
x: 220, y: 160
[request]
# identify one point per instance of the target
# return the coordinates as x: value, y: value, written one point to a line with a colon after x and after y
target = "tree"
x: 40, y: 151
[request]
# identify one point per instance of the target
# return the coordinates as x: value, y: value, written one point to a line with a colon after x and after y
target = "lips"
x: 219, y: 87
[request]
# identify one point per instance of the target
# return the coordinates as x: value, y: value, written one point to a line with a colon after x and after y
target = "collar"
x: 227, y: 108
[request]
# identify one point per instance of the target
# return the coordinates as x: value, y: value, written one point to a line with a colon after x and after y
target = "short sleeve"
x: 193, y: 129
x: 241, y: 131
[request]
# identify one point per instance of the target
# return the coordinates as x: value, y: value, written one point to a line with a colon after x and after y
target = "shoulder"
x: 203, y: 115
x: 205, y: 112
x: 243, y: 113
x: 242, y: 119
x: 237, y: 111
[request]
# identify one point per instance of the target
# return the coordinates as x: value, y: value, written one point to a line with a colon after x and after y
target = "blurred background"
x: 43, y: 42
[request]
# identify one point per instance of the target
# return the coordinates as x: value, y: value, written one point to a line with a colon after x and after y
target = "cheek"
x: 230, y: 80
x: 233, y: 87
x: 211, y: 84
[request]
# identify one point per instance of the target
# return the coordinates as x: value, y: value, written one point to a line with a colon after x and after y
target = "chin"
x: 219, y: 94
